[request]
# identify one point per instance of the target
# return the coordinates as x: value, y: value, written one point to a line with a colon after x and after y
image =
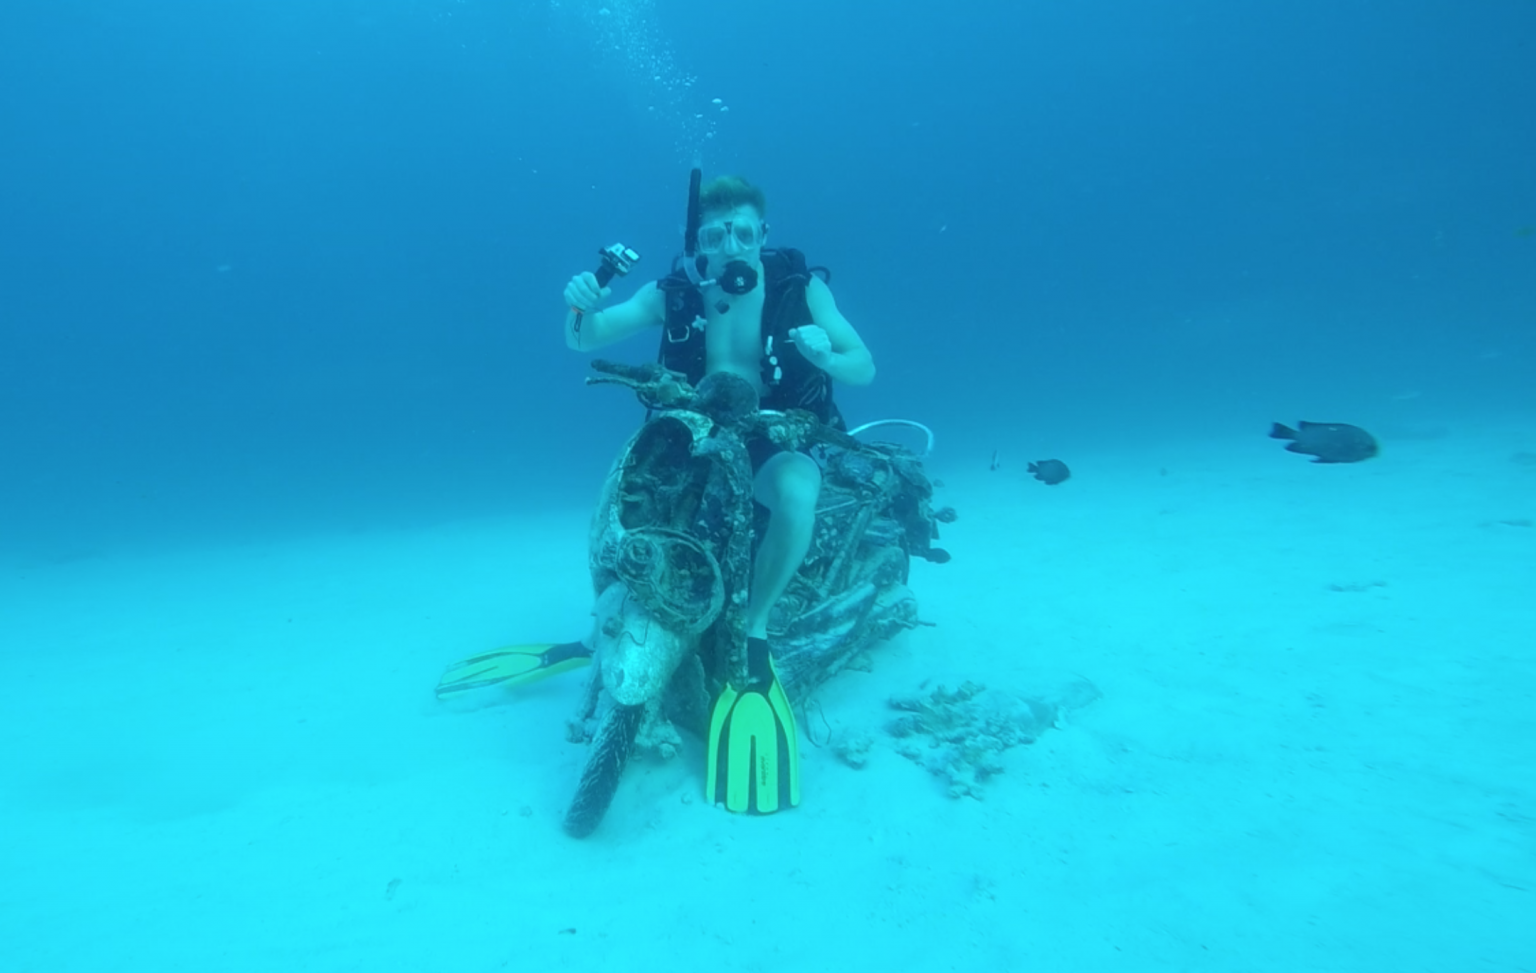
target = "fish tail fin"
x: 1033, y: 468
x: 1278, y: 431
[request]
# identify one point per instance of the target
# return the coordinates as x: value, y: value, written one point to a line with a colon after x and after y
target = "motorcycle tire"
x: 606, y: 757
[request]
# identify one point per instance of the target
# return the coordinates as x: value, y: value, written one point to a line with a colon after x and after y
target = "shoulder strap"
x: 684, y: 303
x: 799, y: 267
x: 792, y: 264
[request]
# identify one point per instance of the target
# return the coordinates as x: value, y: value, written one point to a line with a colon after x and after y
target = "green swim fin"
x: 754, y: 753
x: 513, y: 665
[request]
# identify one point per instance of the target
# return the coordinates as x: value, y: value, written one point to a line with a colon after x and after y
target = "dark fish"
x: 1050, y: 471
x: 1330, y: 442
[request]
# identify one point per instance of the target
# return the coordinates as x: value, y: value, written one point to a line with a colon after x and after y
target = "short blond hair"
x: 729, y: 192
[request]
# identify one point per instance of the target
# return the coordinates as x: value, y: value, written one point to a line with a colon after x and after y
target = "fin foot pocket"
x: 753, y: 751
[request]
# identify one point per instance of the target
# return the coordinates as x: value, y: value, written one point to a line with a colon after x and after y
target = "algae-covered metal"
x: 670, y: 555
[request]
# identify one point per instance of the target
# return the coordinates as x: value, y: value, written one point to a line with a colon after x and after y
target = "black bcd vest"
x: 790, y: 380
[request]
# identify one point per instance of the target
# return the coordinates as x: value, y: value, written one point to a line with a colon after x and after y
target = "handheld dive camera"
x: 617, y: 260
x: 614, y: 261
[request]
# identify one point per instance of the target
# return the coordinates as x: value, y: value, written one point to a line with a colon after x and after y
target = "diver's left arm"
x: 844, y: 356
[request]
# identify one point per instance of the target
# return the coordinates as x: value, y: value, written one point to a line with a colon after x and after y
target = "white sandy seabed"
x: 1315, y: 747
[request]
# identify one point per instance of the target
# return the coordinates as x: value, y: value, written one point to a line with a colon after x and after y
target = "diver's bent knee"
x: 792, y: 484
x: 799, y: 485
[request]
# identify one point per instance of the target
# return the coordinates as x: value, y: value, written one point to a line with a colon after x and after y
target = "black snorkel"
x: 737, y: 277
x: 691, y: 230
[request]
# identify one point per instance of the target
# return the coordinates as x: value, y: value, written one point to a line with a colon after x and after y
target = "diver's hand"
x: 583, y: 293
x: 814, y: 344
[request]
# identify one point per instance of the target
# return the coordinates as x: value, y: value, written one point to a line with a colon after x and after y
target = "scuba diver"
x: 736, y: 305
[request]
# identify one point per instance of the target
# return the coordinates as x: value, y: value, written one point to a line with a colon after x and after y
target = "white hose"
x: 899, y: 422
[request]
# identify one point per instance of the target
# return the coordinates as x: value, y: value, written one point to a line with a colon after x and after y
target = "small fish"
x: 1050, y: 471
x: 1330, y: 442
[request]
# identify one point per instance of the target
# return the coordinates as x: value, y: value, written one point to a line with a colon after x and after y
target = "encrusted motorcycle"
x: 672, y: 544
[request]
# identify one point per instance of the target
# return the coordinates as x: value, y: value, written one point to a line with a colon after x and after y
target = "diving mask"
x: 746, y: 231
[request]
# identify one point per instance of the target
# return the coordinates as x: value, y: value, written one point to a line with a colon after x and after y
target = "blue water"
x: 286, y: 269
x: 266, y: 266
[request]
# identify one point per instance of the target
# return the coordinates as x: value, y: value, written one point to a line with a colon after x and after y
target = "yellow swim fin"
x: 754, y: 752
x: 512, y: 665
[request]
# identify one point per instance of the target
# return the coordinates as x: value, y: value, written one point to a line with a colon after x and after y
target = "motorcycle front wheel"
x: 606, y: 757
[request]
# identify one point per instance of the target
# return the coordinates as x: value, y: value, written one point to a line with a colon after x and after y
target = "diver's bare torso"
x: 733, y: 340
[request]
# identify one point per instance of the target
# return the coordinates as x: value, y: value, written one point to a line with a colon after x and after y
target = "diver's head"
x: 731, y: 223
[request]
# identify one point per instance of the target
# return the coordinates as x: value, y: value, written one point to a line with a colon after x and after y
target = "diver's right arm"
x: 647, y: 308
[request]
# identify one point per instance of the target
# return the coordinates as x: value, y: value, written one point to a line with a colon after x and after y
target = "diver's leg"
x: 788, y: 485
